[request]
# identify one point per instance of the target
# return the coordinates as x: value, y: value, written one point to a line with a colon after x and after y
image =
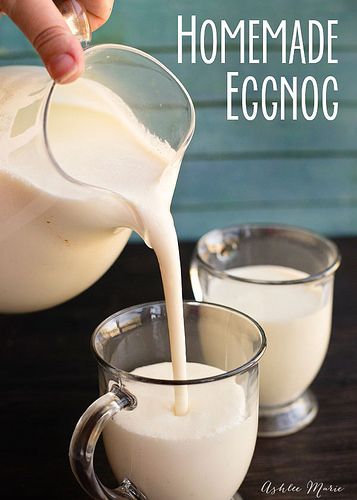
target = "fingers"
x: 46, y: 29
x: 44, y: 26
x: 98, y: 11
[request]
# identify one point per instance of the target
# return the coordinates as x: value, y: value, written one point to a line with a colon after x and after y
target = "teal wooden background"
x: 302, y: 173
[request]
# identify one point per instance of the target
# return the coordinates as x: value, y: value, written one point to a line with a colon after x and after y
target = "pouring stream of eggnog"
x: 127, y: 159
x: 98, y: 141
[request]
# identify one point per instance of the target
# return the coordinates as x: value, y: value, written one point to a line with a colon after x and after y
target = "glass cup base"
x: 287, y: 419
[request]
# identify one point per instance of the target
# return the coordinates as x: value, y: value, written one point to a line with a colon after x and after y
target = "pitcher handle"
x: 75, y: 15
x: 84, y: 440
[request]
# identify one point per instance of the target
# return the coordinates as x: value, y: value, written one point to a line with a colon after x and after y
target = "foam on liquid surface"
x: 214, y: 406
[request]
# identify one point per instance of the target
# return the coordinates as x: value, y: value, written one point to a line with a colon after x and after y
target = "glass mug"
x: 58, y: 224
x: 154, y: 454
x: 293, y: 303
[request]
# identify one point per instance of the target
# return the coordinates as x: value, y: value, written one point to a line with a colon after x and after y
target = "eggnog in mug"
x: 297, y: 322
x: 168, y: 457
x: 282, y: 276
x: 203, y: 454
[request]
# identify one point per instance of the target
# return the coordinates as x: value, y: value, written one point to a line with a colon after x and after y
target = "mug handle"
x: 84, y: 440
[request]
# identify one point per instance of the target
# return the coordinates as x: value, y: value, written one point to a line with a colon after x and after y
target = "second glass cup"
x: 153, y: 453
x: 283, y: 277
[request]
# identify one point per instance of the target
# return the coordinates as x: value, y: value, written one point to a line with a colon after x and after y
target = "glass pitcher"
x: 59, y: 232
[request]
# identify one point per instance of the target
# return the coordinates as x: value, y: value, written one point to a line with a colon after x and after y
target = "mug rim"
x: 253, y: 361
x: 327, y: 271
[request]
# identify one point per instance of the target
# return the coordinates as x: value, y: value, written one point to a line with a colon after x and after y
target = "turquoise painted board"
x: 288, y: 171
x: 266, y: 182
x: 151, y: 24
x: 217, y: 137
x: 207, y: 83
x: 336, y: 220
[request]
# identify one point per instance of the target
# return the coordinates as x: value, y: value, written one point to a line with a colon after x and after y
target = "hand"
x: 44, y: 26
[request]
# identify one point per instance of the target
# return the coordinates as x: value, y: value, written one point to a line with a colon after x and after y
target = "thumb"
x: 44, y: 26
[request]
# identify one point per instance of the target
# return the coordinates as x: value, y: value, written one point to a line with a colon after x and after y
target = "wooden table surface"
x: 48, y: 377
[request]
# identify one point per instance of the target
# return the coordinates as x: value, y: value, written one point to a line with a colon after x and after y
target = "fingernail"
x: 62, y: 67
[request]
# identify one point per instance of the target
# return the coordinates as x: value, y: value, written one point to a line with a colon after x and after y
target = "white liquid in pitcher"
x: 295, y: 318
x: 207, y: 451
x: 97, y: 141
x: 56, y: 238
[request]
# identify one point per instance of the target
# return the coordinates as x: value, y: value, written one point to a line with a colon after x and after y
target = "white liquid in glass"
x: 295, y: 318
x: 169, y: 458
